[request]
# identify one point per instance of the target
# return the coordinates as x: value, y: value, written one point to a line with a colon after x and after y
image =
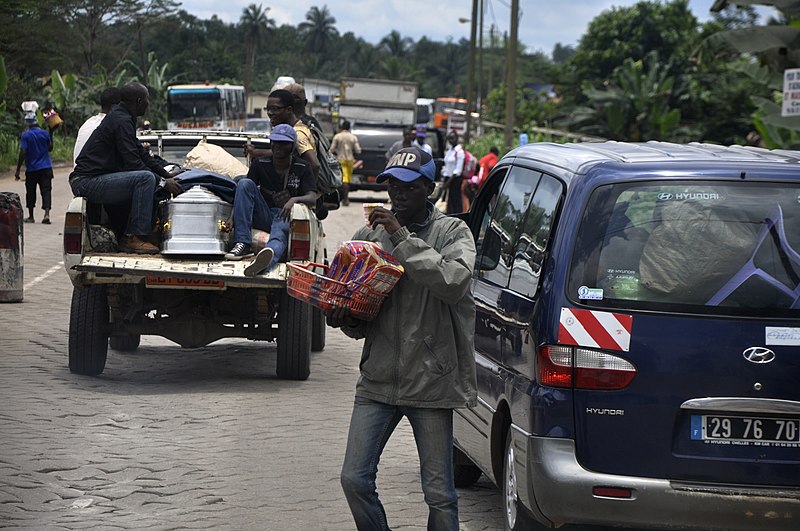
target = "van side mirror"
x: 489, y: 253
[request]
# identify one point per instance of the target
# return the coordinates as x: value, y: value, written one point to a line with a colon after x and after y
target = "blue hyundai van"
x: 638, y: 337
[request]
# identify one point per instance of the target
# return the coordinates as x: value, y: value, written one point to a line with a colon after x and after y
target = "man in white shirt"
x: 452, y: 173
x: 108, y: 98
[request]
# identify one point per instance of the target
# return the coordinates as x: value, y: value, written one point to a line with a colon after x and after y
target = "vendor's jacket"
x: 419, y: 350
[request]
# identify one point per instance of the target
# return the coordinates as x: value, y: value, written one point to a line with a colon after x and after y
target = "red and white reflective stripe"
x: 358, y: 164
x: 590, y: 328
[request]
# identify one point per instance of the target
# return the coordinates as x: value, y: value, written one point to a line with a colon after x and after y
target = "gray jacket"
x: 419, y: 350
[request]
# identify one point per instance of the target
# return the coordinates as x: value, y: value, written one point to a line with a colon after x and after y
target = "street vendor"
x: 432, y: 370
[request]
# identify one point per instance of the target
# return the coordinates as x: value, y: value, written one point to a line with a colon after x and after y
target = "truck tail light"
x: 582, y: 368
x: 300, y: 248
x: 73, y: 233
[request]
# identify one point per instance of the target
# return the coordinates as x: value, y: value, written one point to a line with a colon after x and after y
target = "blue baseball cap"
x: 409, y: 164
x: 283, y: 133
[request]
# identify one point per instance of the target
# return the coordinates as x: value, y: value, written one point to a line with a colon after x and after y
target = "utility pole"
x: 490, y: 86
x: 511, y: 75
x: 480, y: 74
x: 473, y: 23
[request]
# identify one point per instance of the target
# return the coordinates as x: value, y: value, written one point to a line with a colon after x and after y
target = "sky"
x: 540, y: 27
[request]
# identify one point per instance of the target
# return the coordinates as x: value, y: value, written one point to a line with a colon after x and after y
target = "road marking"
x: 38, y: 279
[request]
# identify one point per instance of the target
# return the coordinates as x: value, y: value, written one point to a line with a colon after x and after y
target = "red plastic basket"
x: 327, y: 293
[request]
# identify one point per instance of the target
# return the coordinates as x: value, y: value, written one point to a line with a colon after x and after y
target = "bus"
x: 206, y: 106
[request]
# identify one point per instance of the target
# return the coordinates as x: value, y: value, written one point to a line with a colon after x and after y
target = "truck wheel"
x: 317, y: 330
x: 294, y: 338
x: 465, y: 472
x: 124, y: 343
x: 88, y: 330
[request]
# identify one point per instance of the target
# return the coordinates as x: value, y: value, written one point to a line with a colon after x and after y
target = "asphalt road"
x: 172, y: 438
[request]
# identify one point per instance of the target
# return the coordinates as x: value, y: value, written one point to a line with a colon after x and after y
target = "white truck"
x: 378, y: 102
x: 192, y: 300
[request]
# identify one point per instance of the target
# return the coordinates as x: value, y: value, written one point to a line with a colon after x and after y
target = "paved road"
x: 171, y: 438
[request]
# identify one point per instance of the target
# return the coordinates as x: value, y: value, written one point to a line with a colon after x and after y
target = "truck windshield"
x: 201, y: 105
x: 710, y: 247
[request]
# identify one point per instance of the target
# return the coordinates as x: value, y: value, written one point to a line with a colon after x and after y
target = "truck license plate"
x: 747, y: 431
x: 186, y: 283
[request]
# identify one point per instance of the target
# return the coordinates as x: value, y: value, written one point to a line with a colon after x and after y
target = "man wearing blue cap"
x: 417, y: 360
x: 264, y: 200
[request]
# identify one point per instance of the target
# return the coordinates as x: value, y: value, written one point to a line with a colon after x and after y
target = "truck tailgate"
x: 159, y: 271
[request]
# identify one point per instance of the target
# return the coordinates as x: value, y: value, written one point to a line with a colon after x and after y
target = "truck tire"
x: 294, y: 338
x: 88, y: 330
x: 317, y: 330
x: 125, y: 343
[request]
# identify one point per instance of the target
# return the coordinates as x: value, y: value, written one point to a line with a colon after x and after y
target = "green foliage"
x: 637, y: 105
x: 632, y: 32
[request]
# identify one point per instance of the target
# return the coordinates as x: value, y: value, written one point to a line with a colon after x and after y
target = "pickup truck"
x: 192, y: 300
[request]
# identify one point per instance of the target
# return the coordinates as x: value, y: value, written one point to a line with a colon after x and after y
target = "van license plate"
x: 756, y: 431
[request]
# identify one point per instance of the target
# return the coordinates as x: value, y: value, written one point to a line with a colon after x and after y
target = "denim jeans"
x: 371, y: 426
x: 250, y: 211
x: 138, y: 187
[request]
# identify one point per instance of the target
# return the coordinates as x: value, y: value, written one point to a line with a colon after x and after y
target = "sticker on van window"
x: 782, y: 335
x: 595, y: 329
x: 683, y: 196
x: 592, y: 294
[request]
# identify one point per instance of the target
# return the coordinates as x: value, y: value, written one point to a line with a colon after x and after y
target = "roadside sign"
x: 457, y: 124
x: 791, y: 92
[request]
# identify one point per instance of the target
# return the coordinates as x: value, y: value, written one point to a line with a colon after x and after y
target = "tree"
x: 777, y: 45
x: 253, y: 22
x: 637, y: 105
x: 562, y: 53
x: 318, y: 29
x: 396, y: 45
x: 631, y: 33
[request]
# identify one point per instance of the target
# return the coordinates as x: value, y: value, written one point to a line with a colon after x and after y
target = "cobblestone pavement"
x: 172, y: 438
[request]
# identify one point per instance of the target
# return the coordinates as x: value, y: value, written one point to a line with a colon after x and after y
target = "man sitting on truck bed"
x: 113, y: 167
x: 264, y: 200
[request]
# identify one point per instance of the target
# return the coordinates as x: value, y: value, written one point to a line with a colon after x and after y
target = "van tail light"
x: 582, y: 368
x: 73, y: 233
x: 300, y: 248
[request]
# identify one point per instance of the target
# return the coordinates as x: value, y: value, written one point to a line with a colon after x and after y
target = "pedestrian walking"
x: 453, y: 174
x: 417, y: 360
x: 34, y: 150
x: 409, y: 137
x: 345, y: 146
x: 486, y: 164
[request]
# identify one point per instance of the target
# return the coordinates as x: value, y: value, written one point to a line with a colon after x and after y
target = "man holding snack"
x: 417, y: 359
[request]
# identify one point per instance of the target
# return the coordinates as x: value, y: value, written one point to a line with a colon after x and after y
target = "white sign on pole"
x: 791, y: 92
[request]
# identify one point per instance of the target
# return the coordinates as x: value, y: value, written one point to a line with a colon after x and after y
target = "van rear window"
x: 711, y: 247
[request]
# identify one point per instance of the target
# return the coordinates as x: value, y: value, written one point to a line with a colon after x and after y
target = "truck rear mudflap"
x: 160, y: 272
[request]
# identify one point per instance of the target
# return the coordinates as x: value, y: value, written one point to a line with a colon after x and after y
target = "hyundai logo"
x: 664, y: 196
x: 758, y: 355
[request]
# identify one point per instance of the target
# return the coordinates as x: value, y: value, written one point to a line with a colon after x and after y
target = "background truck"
x: 192, y: 300
x: 378, y: 111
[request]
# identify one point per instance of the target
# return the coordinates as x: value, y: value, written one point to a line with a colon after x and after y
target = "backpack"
x: 470, y: 164
x: 330, y: 171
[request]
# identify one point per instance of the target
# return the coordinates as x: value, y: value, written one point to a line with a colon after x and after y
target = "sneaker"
x: 46, y: 221
x: 30, y: 220
x: 239, y: 251
x: 134, y: 244
x: 262, y: 261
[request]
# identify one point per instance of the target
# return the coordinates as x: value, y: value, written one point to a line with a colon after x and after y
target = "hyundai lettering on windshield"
x: 746, y: 431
